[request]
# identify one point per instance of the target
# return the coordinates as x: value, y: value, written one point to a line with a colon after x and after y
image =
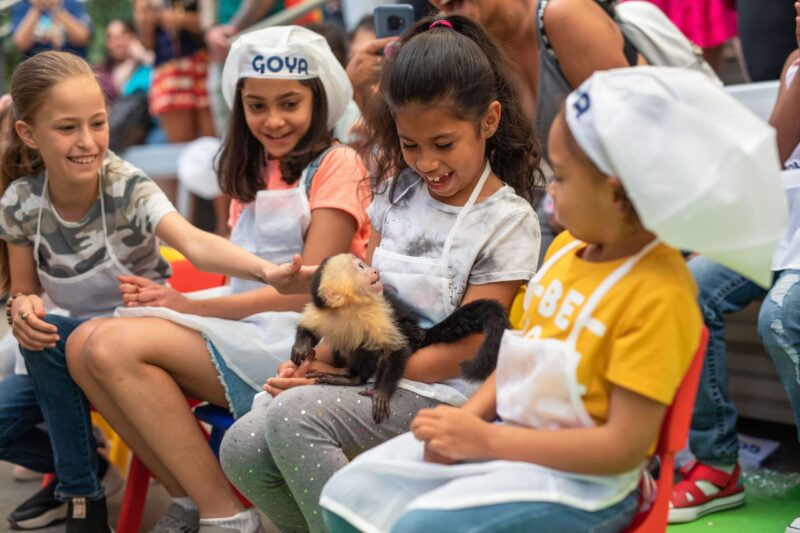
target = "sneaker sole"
x: 53, y: 516
x: 688, y: 514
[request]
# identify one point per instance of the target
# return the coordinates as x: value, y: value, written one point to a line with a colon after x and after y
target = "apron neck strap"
x: 585, y: 314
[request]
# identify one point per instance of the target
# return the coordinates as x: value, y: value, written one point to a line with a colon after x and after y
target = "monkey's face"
x: 368, y: 278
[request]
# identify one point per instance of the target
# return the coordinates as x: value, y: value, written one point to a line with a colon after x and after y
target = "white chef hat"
x: 701, y: 169
x: 287, y: 53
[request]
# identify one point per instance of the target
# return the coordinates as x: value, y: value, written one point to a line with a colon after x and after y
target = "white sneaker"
x: 794, y: 527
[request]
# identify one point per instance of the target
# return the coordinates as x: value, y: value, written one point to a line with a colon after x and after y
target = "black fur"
x: 387, y: 366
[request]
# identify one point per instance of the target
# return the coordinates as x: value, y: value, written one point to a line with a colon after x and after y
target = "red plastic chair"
x: 674, y: 432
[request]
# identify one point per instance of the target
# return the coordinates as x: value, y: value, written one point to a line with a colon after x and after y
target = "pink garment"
x: 707, y: 23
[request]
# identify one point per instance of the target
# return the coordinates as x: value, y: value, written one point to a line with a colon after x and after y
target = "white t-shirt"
x: 498, y: 240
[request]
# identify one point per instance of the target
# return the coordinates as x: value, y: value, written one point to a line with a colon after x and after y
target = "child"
x: 295, y: 192
x: 714, y: 481
x: 65, y: 239
x: 610, y: 327
x: 449, y: 229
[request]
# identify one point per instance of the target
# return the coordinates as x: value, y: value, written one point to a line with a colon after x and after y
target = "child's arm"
x: 441, y: 361
x: 617, y: 446
x: 785, y: 116
x: 33, y: 333
x: 331, y: 232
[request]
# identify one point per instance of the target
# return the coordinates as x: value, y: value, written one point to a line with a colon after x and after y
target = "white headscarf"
x: 701, y: 170
x: 287, y: 53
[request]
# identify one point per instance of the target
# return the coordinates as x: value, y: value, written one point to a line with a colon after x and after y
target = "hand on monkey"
x: 142, y: 292
x: 451, y: 433
x: 290, y: 278
x: 290, y: 375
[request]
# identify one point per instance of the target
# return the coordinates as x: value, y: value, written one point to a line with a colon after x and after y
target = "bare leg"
x: 145, y: 366
x: 110, y: 411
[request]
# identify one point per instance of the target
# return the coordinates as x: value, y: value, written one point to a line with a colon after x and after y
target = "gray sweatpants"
x: 280, y: 455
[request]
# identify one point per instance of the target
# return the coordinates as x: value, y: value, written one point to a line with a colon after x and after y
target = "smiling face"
x: 70, y: 131
x: 450, y: 153
x: 278, y: 113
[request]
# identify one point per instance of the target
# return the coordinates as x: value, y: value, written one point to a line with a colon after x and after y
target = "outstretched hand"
x: 451, y: 434
x: 142, y: 292
x: 290, y: 278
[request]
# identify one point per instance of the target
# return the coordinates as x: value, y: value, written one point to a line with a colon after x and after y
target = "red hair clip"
x: 440, y: 22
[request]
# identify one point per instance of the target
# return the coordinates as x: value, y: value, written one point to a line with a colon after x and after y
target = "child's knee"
x: 778, y: 318
x: 99, y: 354
x: 244, y: 444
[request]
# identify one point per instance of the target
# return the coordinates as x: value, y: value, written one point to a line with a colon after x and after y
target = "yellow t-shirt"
x: 643, y: 333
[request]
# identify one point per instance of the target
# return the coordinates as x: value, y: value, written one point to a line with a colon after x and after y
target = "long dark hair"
x: 466, y: 67
x: 241, y: 160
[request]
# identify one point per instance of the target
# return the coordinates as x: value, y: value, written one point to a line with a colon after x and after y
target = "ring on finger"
x: 24, y: 316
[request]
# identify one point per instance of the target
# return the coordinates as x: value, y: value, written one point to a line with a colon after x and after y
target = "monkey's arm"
x: 439, y: 362
x: 304, y: 343
x: 390, y: 369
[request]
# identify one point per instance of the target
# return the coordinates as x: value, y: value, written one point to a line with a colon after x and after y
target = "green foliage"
x: 100, y: 11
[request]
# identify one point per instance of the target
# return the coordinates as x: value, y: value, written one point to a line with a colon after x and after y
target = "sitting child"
x: 610, y: 326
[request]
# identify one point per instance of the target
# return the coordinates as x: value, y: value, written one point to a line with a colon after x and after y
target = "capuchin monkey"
x: 372, y: 333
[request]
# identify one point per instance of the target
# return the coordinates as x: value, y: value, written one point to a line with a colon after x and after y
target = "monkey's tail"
x: 480, y: 316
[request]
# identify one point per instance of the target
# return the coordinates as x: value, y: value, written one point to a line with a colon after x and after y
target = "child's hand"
x: 290, y: 278
x: 28, y: 326
x: 142, y: 292
x: 451, y: 432
x: 289, y: 376
x: 431, y: 456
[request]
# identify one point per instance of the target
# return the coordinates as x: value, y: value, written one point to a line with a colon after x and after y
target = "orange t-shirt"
x: 338, y: 184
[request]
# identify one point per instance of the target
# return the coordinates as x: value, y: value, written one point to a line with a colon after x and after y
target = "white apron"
x: 91, y: 293
x: 536, y: 387
x: 426, y: 285
x: 273, y: 227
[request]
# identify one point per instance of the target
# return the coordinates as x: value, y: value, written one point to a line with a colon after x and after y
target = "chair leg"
x: 130, y: 514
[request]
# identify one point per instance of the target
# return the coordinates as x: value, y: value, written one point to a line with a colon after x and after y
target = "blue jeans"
x: 713, y: 438
x: 541, y: 517
x: 22, y: 442
x: 66, y: 411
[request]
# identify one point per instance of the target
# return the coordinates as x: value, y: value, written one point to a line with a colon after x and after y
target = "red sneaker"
x: 689, y: 502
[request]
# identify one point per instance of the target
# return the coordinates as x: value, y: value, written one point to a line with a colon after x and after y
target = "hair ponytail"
x: 30, y: 85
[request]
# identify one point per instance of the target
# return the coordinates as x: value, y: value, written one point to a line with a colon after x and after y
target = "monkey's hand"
x: 301, y: 351
x: 380, y: 404
x: 304, y: 343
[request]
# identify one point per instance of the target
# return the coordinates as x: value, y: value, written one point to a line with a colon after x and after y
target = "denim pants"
x: 22, y: 442
x: 66, y: 410
x: 542, y: 517
x: 713, y: 438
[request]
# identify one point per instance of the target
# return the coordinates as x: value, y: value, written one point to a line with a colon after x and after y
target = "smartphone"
x: 392, y: 19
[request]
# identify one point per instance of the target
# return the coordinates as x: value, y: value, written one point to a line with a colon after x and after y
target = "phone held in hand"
x: 392, y: 19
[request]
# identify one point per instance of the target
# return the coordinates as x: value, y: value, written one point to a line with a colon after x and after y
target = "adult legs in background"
x: 280, y: 456
x: 713, y: 438
x: 779, y: 328
x: 766, y: 31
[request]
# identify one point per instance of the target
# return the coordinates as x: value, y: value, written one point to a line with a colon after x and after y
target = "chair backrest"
x: 674, y: 432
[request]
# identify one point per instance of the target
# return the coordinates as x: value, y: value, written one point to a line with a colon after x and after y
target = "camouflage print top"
x: 134, y: 206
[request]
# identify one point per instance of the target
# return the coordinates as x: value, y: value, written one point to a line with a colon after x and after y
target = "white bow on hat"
x: 287, y: 52
x: 701, y: 170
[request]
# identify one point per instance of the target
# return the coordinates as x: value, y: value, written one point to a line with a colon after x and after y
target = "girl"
x: 447, y: 231
x: 66, y: 239
x: 295, y: 192
x: 610, y: 324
